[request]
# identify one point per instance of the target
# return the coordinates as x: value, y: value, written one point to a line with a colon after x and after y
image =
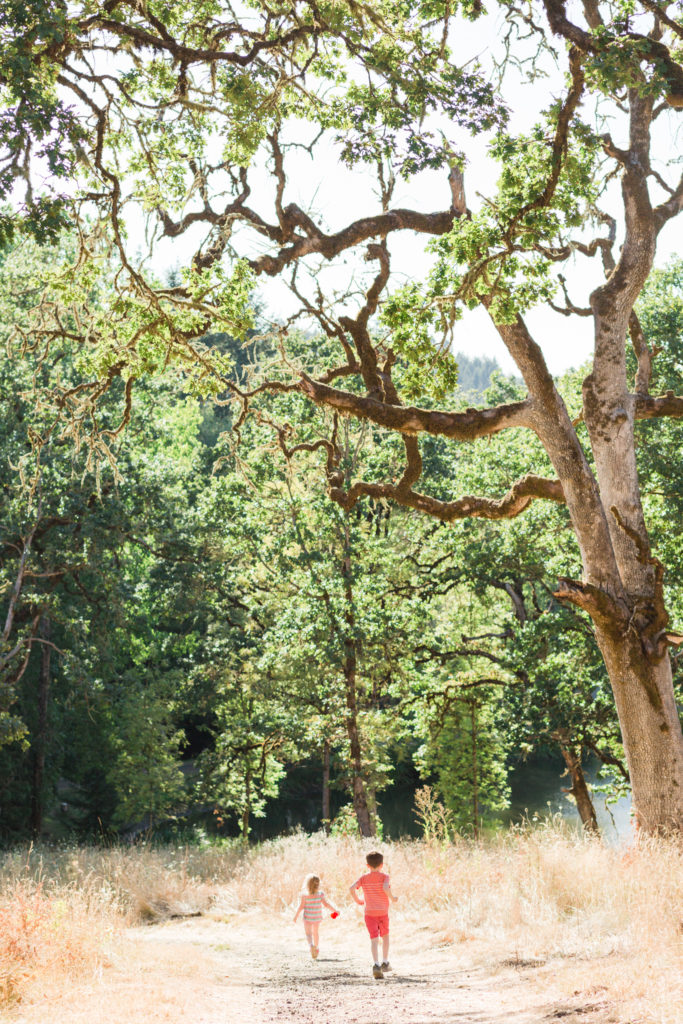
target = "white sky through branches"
x: 336, y: 195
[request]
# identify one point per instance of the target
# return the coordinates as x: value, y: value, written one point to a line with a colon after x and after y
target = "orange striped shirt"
x: 376, y: 900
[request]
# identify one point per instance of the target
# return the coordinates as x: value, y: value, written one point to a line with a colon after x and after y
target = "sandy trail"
x: 257, y: 970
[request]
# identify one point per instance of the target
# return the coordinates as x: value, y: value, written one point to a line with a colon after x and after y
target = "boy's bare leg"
x: 374, y: 946
x: 385, y: 949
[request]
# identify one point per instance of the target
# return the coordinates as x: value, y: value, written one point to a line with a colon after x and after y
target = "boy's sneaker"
x: 386, y: 966
x: 377, y: 971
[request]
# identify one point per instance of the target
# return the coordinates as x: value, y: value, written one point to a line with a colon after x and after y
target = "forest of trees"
x: 187, y: 625
x: 238, y: 539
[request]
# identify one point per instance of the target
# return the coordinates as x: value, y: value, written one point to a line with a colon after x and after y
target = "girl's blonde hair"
x: 311, y: 884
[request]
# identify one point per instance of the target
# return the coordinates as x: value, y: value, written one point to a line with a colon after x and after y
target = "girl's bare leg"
x: 308, y: 928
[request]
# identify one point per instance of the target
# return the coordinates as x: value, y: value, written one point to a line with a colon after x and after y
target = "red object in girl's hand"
x: 335, y: 913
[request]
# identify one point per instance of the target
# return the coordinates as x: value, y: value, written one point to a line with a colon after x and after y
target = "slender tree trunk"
x: 579, y: 788
x: 326, y: 786
x: 360, y: 801
x: 371, y: 797
x: 40, y: 739
x: 246, y: 810
x: 364, y: 817
x: 475, y: 770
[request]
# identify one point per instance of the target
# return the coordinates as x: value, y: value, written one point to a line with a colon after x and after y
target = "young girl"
x: 312, y: 903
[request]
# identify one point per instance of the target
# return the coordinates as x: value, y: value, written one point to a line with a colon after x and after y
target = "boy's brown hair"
x: 374, y: 860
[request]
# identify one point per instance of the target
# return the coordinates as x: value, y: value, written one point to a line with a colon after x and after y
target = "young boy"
x: 377, y: 892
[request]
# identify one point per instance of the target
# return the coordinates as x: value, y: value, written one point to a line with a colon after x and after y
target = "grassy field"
x: 609, y: 920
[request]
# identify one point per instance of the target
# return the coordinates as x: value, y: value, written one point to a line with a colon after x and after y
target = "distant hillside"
x: 474, y: 373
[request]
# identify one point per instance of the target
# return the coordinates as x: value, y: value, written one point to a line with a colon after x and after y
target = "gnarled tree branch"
x: 461, y: 426
x: 316, y: 242
x: 513, y: 503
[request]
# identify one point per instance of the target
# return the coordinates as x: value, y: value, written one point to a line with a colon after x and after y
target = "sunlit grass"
x: 48, y: 932
x: 609, y: 921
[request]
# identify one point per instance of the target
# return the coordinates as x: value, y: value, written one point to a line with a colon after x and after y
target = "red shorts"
x: 377, y: 925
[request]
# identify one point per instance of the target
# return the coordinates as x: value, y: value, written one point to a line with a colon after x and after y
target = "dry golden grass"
x: 609, y: 922
x: 605, y: 922
x: 47, y: 934
x: 139, y: 883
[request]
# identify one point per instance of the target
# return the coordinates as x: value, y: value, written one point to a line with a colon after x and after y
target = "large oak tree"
x: 172, y: 112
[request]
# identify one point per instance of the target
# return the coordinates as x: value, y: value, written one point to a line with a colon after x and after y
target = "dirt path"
x: 258, y: 971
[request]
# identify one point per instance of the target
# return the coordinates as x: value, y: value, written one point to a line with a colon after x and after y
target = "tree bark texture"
x: 651, y: 730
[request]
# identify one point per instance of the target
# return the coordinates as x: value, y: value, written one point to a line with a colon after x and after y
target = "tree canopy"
x: 191, y: 120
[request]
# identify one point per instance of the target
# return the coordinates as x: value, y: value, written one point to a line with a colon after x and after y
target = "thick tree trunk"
x: 632, y: 638
x: 326, y: 787
x: 579, y: 788
x: 651, y: 730
x: 621, y: 590
x: 40, y: 738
